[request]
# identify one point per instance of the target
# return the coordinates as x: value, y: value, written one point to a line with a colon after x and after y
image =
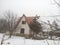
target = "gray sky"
x: 30, y: 7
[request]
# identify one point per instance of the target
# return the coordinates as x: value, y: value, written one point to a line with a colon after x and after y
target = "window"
x: 22, y: 30
x: 23, y: 22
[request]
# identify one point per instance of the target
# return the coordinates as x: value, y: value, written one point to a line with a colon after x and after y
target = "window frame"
x: 22, y: 30
x: 23, y: 22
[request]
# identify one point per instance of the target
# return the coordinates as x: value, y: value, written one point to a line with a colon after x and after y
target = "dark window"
x: 22, y: 30
x: 23, y: 22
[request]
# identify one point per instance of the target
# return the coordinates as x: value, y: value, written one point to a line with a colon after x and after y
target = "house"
x: 23, y: 27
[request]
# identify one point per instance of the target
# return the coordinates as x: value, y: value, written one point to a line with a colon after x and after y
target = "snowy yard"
x: 15, y: 40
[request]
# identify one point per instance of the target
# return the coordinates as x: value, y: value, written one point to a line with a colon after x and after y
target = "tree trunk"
x: 33, y: 35
x: 51, y: 37
x: 11, y: 32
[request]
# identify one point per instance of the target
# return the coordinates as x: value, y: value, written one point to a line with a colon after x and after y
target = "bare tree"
x: 57, y: 2
x: 51, y: 26
x: 11, y: 21
x: 54, y: 28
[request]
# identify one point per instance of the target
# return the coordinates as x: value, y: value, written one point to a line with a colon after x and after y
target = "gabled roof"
x: 28, y: 20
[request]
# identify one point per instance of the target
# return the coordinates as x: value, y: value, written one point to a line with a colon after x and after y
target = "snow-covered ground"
x: 16, y: 40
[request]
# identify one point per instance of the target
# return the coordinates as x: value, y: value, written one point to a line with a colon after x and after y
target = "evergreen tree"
x: 35, y: 26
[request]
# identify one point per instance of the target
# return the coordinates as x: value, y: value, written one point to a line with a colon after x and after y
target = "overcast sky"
x: 30, y: 7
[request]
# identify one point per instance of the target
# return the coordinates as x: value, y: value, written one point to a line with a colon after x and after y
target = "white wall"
x: 25, y: 26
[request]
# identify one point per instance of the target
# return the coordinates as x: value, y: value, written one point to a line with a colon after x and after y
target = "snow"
x: 16, y: 40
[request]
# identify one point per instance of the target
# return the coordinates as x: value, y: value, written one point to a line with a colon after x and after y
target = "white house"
x: 23, y: 26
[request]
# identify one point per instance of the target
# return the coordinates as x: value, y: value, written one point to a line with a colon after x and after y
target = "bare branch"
x: 57, y: 3
x: 11, y: 21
